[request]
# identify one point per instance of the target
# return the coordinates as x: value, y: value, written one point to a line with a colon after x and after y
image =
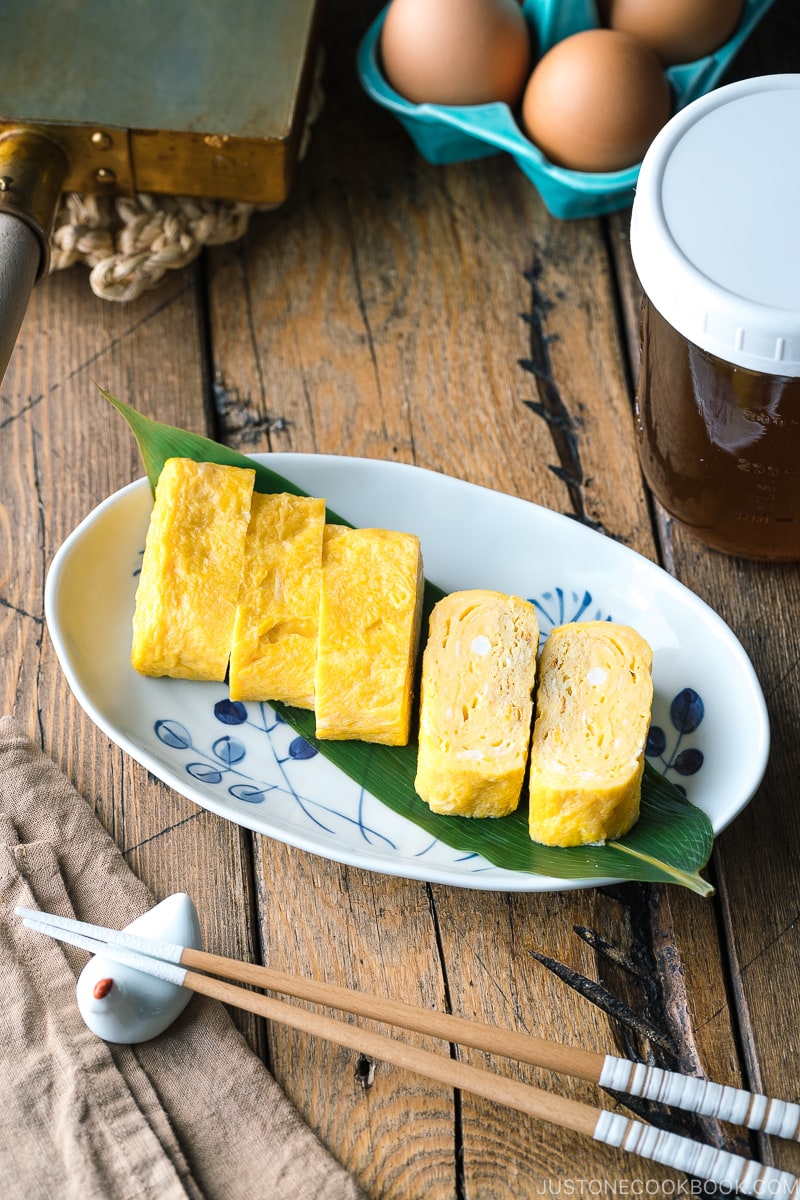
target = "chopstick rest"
x: 615, y: 1129
x: 124, y: 1005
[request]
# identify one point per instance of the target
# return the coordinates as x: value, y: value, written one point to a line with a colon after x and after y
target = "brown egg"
x: 679, y: 30
x: 595, y: 101
x: 456, y: 51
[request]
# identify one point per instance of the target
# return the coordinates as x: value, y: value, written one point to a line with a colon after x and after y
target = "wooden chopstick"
x: 690, y: 1093
x: 144, y: 954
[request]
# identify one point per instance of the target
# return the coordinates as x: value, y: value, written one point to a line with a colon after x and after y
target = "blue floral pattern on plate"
x: 222, y: 764
x: 686, y: 713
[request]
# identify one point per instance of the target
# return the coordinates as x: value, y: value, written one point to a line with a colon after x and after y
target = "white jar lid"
x: 715, y: 227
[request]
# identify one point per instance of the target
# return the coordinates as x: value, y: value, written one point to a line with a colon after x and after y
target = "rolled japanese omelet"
x: 478, y: 675
x: 191, y: 569
x: 593, y: 708
x: 369, y: 621
x: 274, y: 648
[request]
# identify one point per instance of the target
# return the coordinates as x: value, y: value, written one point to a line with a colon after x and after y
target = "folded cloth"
x: 192, y: 1113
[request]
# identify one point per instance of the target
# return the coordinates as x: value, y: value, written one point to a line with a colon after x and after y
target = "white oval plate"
x: 710, y: 731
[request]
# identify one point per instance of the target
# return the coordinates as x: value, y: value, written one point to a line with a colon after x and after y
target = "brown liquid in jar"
x: 719, y: 445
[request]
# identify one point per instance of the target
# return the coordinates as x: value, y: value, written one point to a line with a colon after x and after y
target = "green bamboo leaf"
x: 158, y: 442
x: 671, y: 842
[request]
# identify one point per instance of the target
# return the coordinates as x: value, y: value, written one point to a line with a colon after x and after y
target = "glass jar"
x: 715, y: 239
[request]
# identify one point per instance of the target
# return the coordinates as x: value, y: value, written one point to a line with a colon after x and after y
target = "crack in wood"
x: 607, y: 1002
x: 166, y: 829
x: 458, y: 1109
x: 790, y: 670
x: 787, y: 928
x: 661, y: 1017
x: 550, y: 405
x: 622, y: 958
x: 32, y: 403
x: 21, y: 612
x: 241, y: 424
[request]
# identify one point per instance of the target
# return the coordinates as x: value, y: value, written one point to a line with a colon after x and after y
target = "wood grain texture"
x: 350, y: 927
x: 63, y: 449
x: 437, y: 316
x: 755, y: 860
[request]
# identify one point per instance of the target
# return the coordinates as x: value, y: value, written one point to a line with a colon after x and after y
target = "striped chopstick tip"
x: 123, y: 954
x: 151, y: 947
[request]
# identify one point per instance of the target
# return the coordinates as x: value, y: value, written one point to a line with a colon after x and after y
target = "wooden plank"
x: 63, y: 451
x: 755, y: 859
x: 391, y: 1129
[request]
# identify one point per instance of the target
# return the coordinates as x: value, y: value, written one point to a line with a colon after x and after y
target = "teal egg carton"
x: 460, y: 133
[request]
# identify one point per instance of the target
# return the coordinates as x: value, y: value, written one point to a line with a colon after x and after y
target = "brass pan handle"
x: 32, y: 171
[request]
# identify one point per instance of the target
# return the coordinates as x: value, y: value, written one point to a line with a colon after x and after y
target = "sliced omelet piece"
x: 191, y: 569
x: 274, y: 651
x: 478, y: 675
x: 369, y: 620
x: 593, y: 709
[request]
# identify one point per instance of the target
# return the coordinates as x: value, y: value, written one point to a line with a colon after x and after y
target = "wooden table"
x: 388, y: 310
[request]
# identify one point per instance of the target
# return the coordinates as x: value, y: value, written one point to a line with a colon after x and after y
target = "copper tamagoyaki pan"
x: 159, y: 96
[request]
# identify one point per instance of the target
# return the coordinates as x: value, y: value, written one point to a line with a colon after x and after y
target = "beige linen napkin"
x: 192, y: 1113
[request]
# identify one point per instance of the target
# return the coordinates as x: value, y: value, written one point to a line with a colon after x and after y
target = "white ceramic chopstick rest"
x: 780, y: 1117
x: 136, y: 1007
